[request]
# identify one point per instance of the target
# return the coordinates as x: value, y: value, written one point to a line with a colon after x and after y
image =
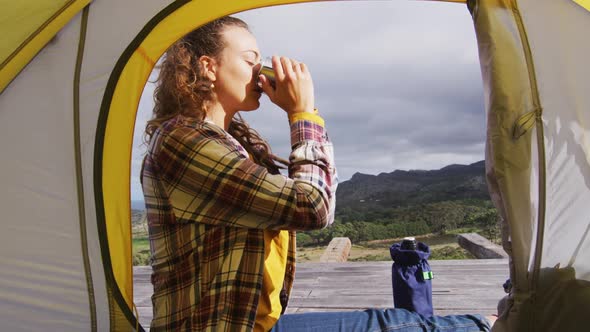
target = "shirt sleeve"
x: 210, y: 182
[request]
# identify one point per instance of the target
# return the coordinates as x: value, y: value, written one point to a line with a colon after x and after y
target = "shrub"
x: 141, y: 258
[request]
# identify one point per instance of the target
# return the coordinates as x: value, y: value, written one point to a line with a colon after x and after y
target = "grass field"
x: 441, y: 247
x: 140, y: 244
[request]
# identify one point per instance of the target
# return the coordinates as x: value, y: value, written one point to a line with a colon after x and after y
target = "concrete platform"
x: 459, y: 286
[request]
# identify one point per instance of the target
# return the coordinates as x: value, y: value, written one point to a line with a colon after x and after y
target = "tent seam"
x: 79, y: 177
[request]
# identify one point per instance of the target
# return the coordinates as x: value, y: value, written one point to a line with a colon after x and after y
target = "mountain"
x: 407, y: 188
x: 403, y: 188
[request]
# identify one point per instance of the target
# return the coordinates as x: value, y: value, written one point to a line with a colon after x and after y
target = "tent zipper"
x: 541, y: 158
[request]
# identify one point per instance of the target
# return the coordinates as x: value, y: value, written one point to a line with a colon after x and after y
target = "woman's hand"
x: 293, y: 90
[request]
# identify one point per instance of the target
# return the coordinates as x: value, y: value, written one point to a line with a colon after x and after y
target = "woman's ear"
x: 208, y: 67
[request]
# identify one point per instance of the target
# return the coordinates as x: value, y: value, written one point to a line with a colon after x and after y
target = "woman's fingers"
x: 304, y: 69
x: 278, y: 68
x: 287, y: 67
x: 266, y: 87
x: 293, y: 89
x: 297, y: 68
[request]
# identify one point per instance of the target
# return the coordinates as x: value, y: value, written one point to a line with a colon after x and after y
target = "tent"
x: 71, y: 76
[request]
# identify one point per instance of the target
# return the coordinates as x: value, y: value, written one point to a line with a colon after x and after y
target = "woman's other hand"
x: 293, y: 90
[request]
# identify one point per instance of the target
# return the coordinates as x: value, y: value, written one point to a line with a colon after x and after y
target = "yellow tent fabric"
x: 583, y: 3
x: 78, y: 94
x: 37, y: 21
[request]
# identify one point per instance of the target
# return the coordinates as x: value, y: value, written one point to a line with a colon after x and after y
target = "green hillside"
x: 404, y: 203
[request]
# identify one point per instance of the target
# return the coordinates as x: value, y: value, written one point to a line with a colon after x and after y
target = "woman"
x: 221, y: 217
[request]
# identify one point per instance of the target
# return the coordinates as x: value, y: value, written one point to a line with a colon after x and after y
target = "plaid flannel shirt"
x: 207, y: 206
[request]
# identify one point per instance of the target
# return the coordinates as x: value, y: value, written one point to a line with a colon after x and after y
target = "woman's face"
x: 237, y: 68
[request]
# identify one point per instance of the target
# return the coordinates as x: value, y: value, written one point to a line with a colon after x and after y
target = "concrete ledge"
x: 480, y: 247
x: 337, y: 251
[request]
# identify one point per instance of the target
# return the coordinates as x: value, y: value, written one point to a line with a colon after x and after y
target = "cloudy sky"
x: 398, y: 83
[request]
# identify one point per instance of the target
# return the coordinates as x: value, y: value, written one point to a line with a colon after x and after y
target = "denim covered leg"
x: 373, y: 320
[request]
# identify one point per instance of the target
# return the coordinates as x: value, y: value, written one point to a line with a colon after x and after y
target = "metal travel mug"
x: 266, y: 70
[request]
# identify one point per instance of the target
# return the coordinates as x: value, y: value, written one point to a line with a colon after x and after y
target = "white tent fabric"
x: 66, y: 260
x: 560, y: 49
x: 44, y: 285
x: 535, y: 70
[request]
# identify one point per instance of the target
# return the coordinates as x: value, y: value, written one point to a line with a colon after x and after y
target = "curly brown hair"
x: 183, y: 89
